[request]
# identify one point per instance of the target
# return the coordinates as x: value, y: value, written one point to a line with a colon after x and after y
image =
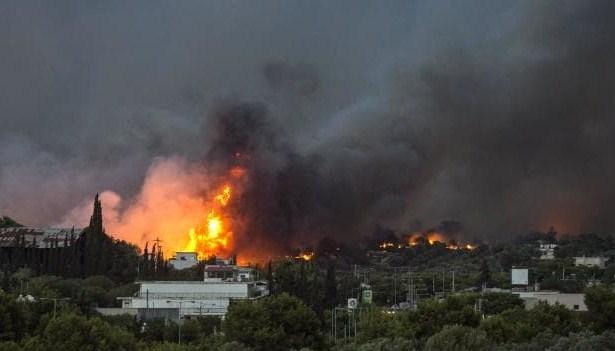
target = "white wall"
x: 196, y: 289
x: 575, y: 302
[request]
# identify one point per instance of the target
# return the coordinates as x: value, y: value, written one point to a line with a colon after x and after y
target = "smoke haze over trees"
x: 498, y: 115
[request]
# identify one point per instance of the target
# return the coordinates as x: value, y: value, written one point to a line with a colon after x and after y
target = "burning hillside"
x: 428, y: 238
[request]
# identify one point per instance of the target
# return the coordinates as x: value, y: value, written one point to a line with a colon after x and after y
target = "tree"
x: 12, y: 318
x: 496, y: 303
x: 330, y: 298
x: 457, y: 338
x: 375, y: 324
x: 383, y: 344
x: 484, y: 279
x: 431, y: 315
x: 71, y: 332
x: 556, y: 318
x: 600, y: 303
x: 586, y: 341
x: 301, y: 279
x: 7, y: 222
x: 499, y: 330
x: 280, y: 322
x: 9, y: 346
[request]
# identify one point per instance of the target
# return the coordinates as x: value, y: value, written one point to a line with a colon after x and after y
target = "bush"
x: 457, y: 338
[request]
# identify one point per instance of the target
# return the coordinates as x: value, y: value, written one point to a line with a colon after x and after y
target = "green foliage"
x: 382, y: 344
x: 517, y: 255
x: 12, y: 318
x: 457, y: 338
x: 499, y: 330
x: 301, y: 279
x: 431, y: 315
x: 519, y: 325
x: 233, y: 346
x: 278, y: 322
x: 589, y: 244
x: 9, y: 346
x: 7, y: 222
x: 376, y: 323
x: 586, y: 341
x: 556, y: 318
x: 600, y: 303
x: 484, y: 278
x: 72, y: 332
x: 495, y: 303
x: 166, y: 346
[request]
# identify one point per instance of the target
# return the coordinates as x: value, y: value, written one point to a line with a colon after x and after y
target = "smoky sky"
x: 399, y: 114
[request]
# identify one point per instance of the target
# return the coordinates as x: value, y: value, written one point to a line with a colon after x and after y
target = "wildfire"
x: 433, y: 238
x: 213, y: 237
x: 386, y: 245
x: 306, y: 255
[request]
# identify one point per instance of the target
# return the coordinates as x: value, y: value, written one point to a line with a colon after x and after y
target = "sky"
x: 359, y: 114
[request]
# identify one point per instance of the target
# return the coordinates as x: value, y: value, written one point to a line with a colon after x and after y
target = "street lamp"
x: 179, y: 317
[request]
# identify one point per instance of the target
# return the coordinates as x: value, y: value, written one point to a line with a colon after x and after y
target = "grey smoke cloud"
x: 403, y: 114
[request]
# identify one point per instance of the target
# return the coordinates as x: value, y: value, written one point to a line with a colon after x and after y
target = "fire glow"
x: 430, y: 239
x: 213, y: 237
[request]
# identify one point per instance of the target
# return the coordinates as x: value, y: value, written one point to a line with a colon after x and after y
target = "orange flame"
x: 306, y: 256
x: 212, y: 238
x: 433, y: 238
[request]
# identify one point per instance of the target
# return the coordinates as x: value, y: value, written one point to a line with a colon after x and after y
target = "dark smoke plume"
x: 496, y: 115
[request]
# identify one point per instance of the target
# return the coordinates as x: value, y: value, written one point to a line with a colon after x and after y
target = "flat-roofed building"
x: 575, y: 302
x: 221, y: 285
x: 183, y: 260
x: 597, y: 261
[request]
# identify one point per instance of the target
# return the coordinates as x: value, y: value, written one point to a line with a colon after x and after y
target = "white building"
x: 547, y: 251
x: 183, y: 260
x: 191, y: 299
x: 599, y: 261
x: 575, y: 302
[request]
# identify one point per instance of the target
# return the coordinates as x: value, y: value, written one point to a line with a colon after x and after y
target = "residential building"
x: 183, y: 260
x: 575, y: 302
x: 597, y: 261
x: 547, y: 251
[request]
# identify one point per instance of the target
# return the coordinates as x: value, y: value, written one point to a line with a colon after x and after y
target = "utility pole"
x: 395, y: 285
x: 443, y: 283
x: 179, y: 318
x: 55, y: 303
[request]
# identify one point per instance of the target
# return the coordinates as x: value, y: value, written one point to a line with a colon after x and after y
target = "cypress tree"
x: 145, y: 270
x: 94, y: 262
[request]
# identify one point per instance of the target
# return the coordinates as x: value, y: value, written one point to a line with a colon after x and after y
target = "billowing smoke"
x: 498, y: 116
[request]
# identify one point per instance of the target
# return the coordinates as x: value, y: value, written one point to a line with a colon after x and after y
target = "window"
x: 575, y: 307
